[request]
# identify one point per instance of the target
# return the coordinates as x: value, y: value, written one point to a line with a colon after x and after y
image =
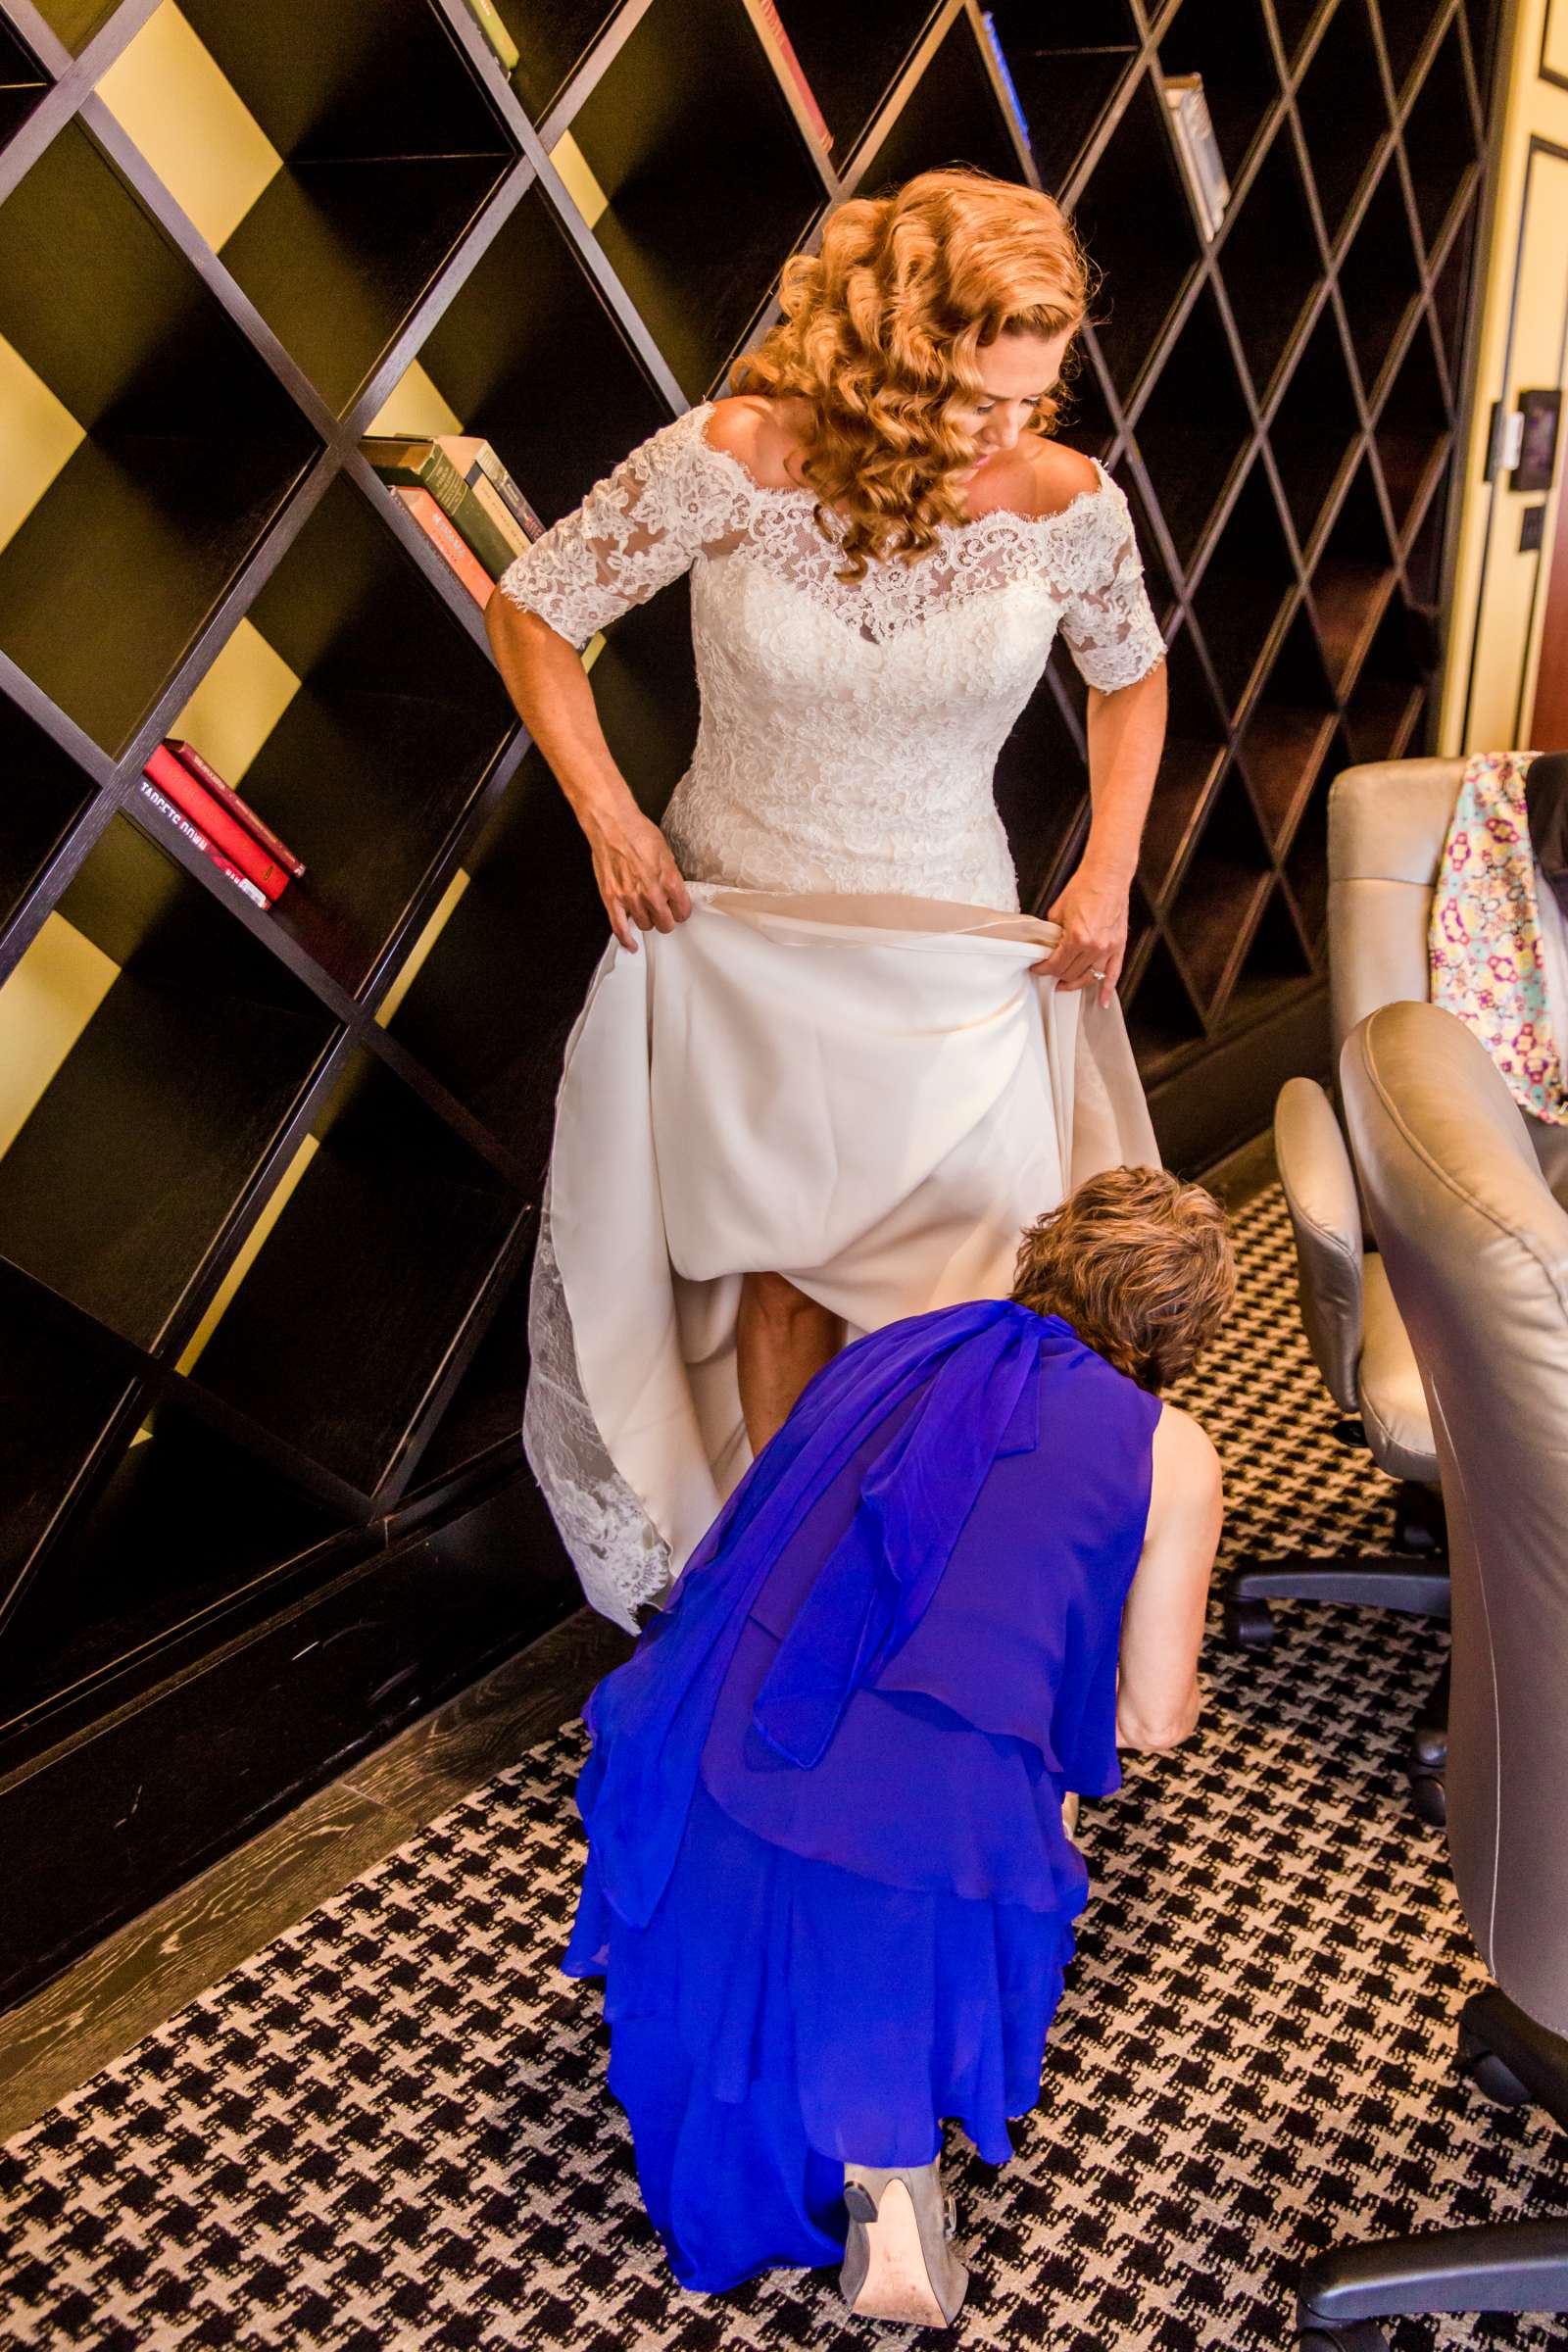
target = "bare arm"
x: 1162, y: 1627
x: 637, y: 876
x: 1126, y: 734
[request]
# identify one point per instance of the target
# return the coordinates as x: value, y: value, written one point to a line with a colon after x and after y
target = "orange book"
x: 456, y: 549
x: 796, y: 72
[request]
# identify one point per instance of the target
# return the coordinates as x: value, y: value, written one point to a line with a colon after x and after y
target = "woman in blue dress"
x: 829, y: 1883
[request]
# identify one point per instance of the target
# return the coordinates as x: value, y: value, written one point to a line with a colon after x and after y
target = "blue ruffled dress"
x: 827, y: 1882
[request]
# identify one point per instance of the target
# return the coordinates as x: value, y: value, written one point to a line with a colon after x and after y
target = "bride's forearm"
x: 1126, y: 735
x: 551, y: 696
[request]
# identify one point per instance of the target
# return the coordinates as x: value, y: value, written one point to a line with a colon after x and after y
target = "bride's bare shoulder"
x: 762, y: 433
x: 1056, y: 474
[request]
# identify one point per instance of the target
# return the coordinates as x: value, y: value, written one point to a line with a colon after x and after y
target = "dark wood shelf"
x: 1411, y: 435
x: 1040, y: 794
x: 1378, y: 279
x: 397, y: 723
x: 166, y: 1107
x: 1340, y: 103
x: 1136, y: 215
x: 850, y: 79
x: 554, y: 40
x: 316, y: 1346
x: 191, y: 446
x: 1065, y: 89
x: 1274, y: 959
x: 1196, y: 742
x: 267, y: 1217
x: 1288, y: 729
x: 496, y: 355
x: 1388, y: 690
x: 1270, y: 259
x: 1222, y: 885
x: 1247, y: 578
x: 1230, y: 48
x: 390, y: 149
x: 169, y: 1508
x: 953, y: 111
x: 1196, y: 426
x: 23, y: 82
x: 45, y: 792
x: 499, y: 1052
x: 62, y: 1389
x: 1440, y: 143
x: 1315, y: 427
x: 1162, y: 1020
x: 708, y: 178
x: 1352, y: 579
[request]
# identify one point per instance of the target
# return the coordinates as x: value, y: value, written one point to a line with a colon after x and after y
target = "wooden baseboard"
x: 106, y: 2001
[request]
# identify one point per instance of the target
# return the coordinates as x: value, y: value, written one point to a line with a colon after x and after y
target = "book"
x: 490, y: 466
x: 487, y: 16
x: 176, y: 783
x: 425, y: 466
x: 194, y: 834
x: 493, y: 486
x: 1009, y: 89
x: 437, y: 527
x: 241, y: 810
x: 1199, y: 149
x: 796, y: 72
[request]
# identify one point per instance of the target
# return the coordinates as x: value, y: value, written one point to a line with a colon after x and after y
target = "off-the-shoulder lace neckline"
x: 791, y: 490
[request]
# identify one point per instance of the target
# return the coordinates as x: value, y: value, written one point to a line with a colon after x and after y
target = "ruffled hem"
x: 987, y: 1827
x: 778, y: 2016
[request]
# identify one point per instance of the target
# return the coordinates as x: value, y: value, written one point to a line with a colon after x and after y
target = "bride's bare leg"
x: 783, y: 1339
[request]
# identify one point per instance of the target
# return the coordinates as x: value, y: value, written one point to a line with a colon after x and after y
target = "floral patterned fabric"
x: 1486, y: 945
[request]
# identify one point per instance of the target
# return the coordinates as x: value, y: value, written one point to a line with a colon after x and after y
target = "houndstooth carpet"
x: 388, y: 2128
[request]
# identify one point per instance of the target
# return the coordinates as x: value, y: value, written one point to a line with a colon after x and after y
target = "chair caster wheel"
x: 1248, y: 1625
x: 1430, y: 1800
x: 1357, y: 2335
x: 1491, y: 2077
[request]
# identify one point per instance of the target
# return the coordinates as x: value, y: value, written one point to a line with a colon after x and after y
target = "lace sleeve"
x: 637, y: 529
x: 1108, y: 622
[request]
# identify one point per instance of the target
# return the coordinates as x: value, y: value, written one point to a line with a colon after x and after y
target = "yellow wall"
x: 1498, y: 593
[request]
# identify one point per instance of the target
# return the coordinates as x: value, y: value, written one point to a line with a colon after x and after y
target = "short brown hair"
x: 1139, y: 1263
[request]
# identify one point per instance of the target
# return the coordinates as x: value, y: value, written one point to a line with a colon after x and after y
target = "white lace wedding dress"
x: 839, y: 1069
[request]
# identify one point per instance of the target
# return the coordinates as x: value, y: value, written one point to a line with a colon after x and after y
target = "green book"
x: 487, y: 16
x: 421, y: 466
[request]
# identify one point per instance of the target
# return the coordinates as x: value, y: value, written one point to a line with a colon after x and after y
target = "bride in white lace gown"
x: 843, y: 1071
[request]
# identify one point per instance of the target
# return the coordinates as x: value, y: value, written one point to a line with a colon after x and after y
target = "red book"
x: 796, y: 73
x: 241, y: 810
x: 174, y: 778
x: 457, y: 550
x: 195, y: 835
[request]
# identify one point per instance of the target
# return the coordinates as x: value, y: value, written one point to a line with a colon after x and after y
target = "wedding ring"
x: 1097, y: 975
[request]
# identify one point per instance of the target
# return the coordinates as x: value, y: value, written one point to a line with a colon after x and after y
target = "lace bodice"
x: 850, y: 731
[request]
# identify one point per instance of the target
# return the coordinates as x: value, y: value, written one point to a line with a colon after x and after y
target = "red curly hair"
x: 879, y: 335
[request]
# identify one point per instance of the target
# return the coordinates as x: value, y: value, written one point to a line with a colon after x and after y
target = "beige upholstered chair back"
x: 1387, y: 822
x: 1475, y: 1248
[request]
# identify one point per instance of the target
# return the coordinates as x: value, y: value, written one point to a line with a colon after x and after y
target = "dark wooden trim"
x: 130, y: 1984
x: 1230, y: 1096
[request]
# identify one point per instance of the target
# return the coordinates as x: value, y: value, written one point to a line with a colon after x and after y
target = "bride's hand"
x: 638, y: 878
x: 1092, y: 914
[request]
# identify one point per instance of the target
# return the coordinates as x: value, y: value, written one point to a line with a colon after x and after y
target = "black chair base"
x: 1513, y: 2266
x: 1414, y: 1580
x: 1517, y: 2266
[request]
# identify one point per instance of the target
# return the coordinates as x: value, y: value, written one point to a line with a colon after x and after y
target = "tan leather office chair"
x: 1475, y: 1248
x: 1387, y: 821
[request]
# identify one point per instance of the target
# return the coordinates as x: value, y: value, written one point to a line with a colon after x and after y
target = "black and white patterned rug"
x: 388, y: 2128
